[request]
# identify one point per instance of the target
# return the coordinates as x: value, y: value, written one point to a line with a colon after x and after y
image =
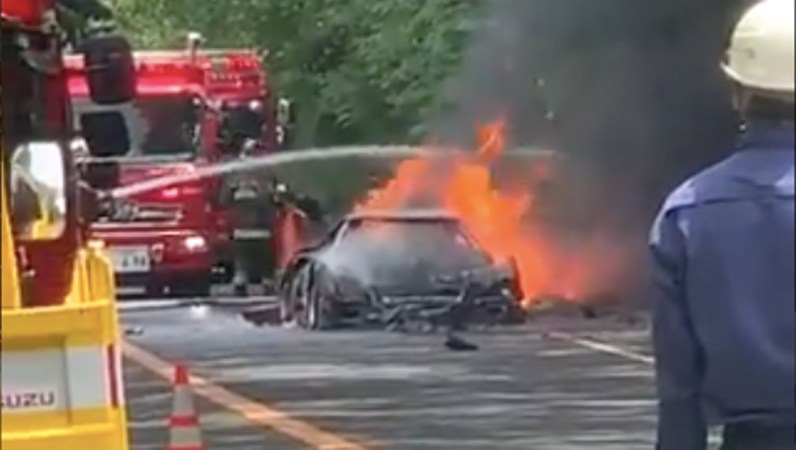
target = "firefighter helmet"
x: 761, y: 52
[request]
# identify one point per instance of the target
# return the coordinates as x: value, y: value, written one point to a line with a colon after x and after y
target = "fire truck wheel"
x: 224, y: 272
x: 191, y: 287
x: 154, y: 291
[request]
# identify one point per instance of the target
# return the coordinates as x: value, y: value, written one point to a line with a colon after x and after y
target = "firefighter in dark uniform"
x: 253, y: 216
x: 247, y: 199
x: 723, y: 262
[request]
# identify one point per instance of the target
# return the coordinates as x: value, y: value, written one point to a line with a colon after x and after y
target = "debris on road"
x: 456, y: 343
x: 263, y: 315
x: 133, y: 331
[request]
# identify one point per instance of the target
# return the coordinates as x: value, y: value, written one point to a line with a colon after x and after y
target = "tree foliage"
x: 357, y: 70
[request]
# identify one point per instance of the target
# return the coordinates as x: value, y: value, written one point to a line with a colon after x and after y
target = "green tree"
x: 358, y: 70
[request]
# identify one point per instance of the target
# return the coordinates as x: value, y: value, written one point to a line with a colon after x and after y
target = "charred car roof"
x: 403, y: 215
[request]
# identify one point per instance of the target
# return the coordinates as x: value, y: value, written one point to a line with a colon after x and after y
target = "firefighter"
x: 253, y: 216
x: 723, y: 263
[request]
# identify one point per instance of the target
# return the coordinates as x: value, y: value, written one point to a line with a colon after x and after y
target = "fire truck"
x: 194, y: 108
x: 61, y: 368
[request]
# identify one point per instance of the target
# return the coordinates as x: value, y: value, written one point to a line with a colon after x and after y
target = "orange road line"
x: 257, y: 413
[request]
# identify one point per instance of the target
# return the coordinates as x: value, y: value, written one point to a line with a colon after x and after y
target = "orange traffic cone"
x: 184, y: 433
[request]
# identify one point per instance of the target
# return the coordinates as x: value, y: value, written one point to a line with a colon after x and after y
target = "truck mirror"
x: 110, y: 69
x: 101, y: 175
x: 38, y: 191
x: 106, y: 133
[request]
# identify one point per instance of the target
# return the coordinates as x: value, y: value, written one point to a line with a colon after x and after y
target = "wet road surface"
x: 526, y: 388
x: 149, y: 400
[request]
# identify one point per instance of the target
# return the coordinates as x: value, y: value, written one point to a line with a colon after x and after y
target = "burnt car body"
x: 389, y: 268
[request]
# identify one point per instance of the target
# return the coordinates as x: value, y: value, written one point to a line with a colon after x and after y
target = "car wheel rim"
x: 312, y: 318
x: 312, y: 312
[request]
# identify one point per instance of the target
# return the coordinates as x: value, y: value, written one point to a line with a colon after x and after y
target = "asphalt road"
x: 552, y: 384
x: 149, y: 400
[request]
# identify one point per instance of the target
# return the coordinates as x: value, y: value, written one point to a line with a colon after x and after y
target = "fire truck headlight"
x: 195, y: 243
x: 255, y: 106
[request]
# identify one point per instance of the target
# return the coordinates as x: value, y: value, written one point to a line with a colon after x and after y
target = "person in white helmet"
x: 723, y: 263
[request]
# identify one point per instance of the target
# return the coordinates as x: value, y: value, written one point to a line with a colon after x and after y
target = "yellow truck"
x: 62, y: 384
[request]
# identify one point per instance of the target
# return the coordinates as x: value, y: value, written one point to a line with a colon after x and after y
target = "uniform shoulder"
x: 685, y: 194
x: 702, y: 186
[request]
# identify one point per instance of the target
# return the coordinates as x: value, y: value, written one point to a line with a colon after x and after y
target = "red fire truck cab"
x: 191, y: 107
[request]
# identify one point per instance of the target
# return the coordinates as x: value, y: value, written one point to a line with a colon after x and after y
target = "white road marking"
x: 601, y: 347
x: 142, y: 305
x: 128, y: 305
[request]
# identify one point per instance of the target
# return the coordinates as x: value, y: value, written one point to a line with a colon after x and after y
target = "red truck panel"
x: 216, y: 76
x: 28, y: 12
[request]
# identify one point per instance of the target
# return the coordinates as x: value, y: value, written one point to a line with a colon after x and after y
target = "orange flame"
x: 500, y: 220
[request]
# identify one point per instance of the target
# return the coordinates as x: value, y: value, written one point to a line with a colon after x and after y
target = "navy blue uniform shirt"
x: 723, y: 264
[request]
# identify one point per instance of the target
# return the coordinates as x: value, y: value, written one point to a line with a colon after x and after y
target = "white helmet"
x: 761, y: 52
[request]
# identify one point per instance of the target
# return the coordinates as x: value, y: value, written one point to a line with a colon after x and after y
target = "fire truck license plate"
x: 130, y: 259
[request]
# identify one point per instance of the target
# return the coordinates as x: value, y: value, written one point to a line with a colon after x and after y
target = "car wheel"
x: 154, y: 290
x: 223, y: 272
x: 315, y: 314
x: 287, y: 294
x: 286, y: 312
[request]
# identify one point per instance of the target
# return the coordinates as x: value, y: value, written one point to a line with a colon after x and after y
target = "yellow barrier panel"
x: 79, y: 290
x: 100, y: 269
x: 62, y: 379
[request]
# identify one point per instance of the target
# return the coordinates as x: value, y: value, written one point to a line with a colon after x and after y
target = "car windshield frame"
x: 476, y: 256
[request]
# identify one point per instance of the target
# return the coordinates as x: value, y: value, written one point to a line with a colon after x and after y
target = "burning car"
x: 389, y: 267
